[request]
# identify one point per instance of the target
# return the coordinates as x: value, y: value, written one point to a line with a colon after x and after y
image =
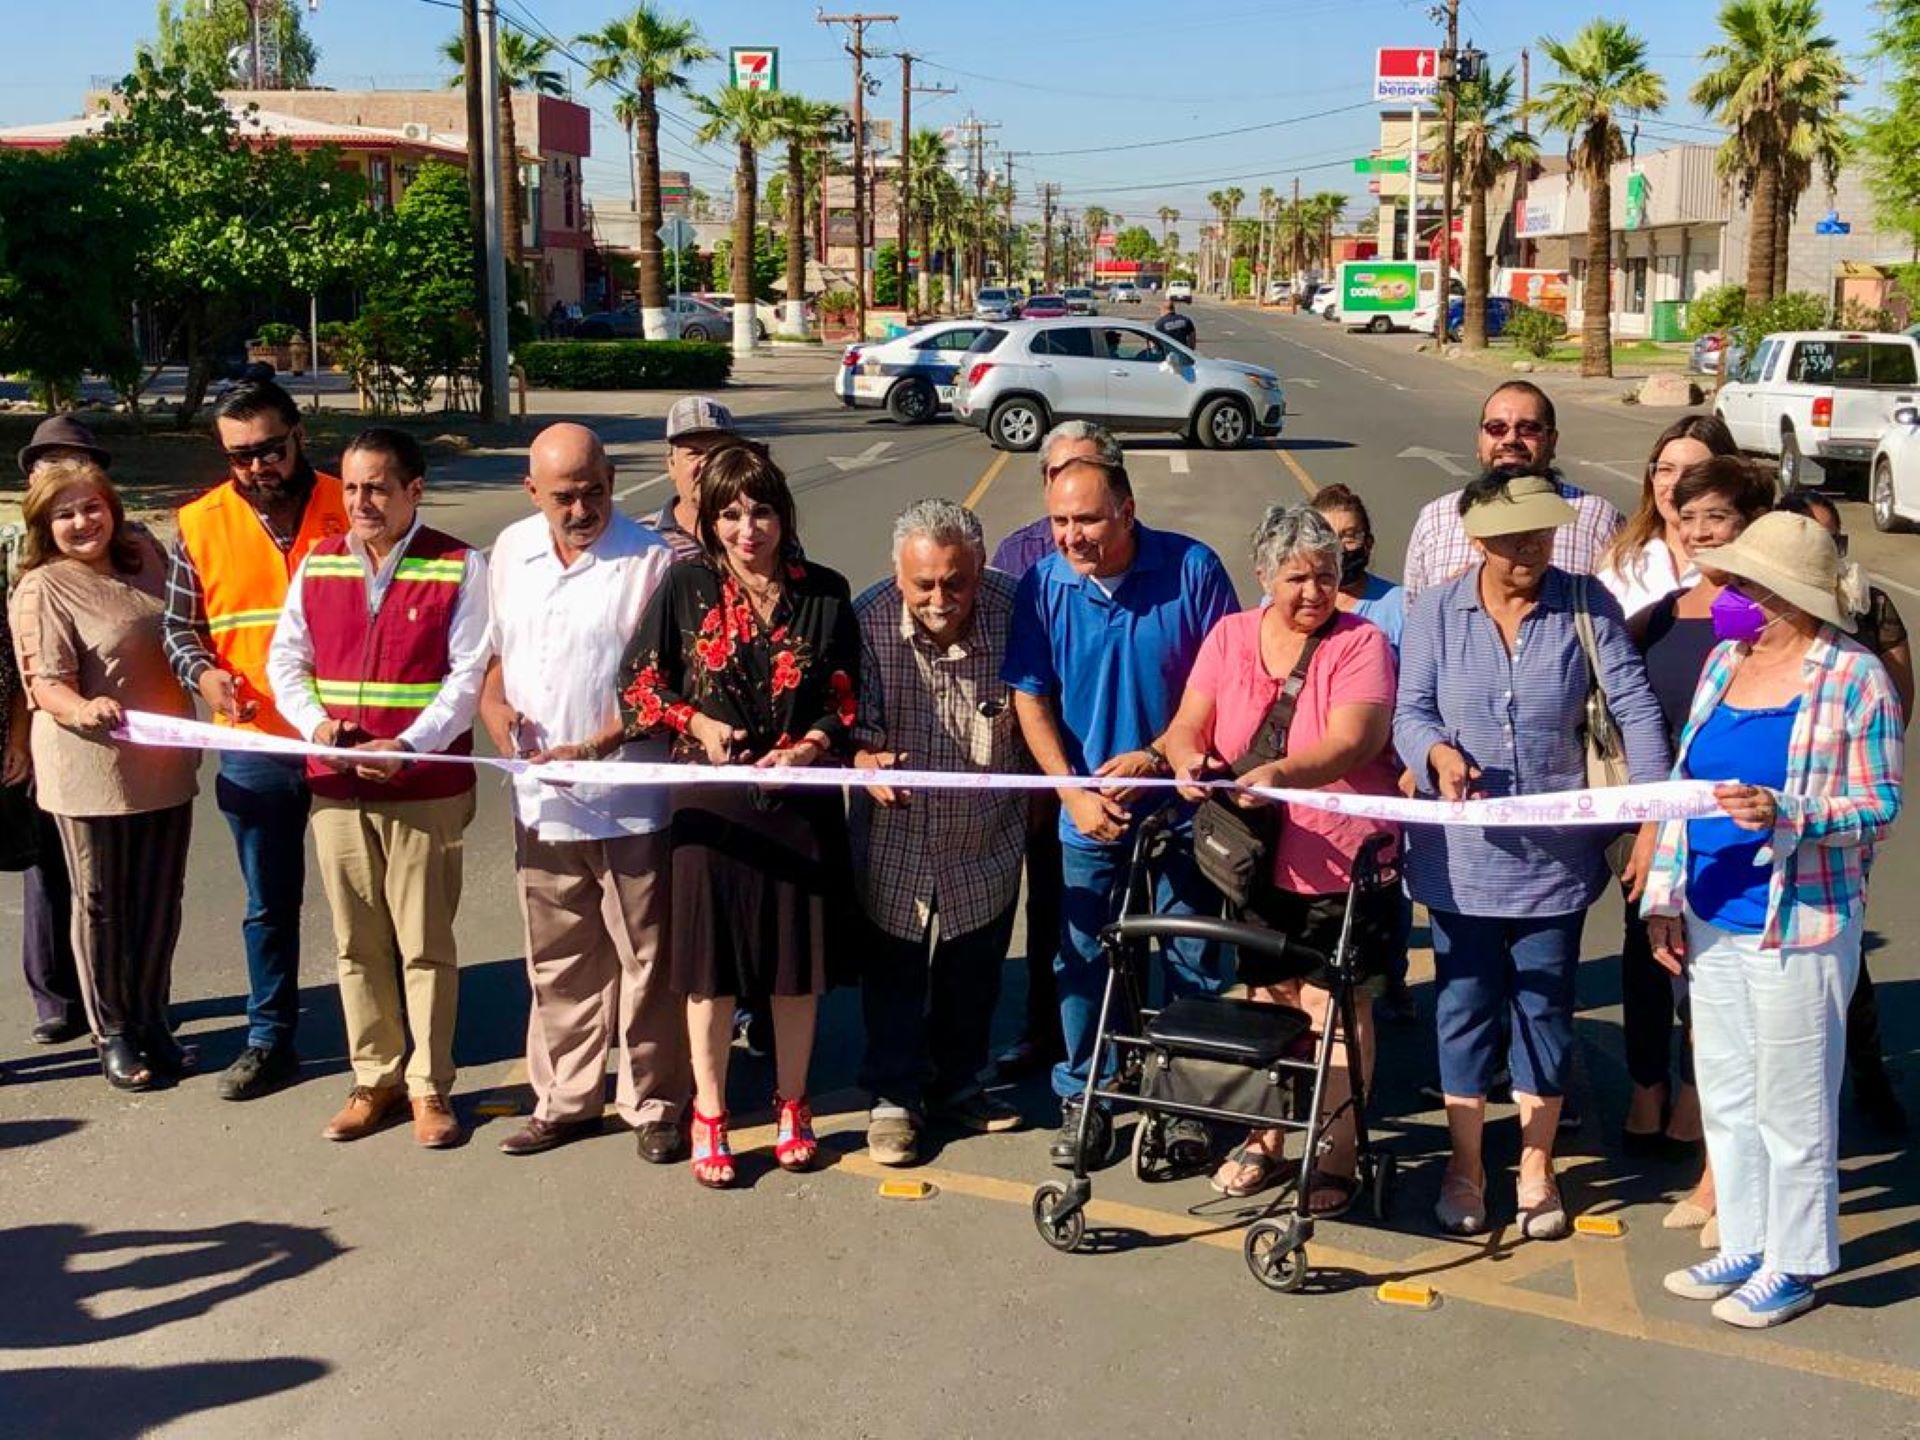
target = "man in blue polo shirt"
x: 1104, y: 632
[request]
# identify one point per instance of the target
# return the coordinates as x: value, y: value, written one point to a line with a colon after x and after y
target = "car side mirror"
x: 1908, y: 415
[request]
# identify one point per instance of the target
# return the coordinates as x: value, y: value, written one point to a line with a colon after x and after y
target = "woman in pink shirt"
x: 1337, y: 741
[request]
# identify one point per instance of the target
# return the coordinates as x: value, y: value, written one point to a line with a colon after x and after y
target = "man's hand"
x: 885, y: 795
x: 508, y: 729
x: 716, y: 737
x: 1453, y: 774
x: 16, y: 762
x: 99, y: 715
x: 1096, y: 814
x: 1127, y: 765
x: 338, y: 735
x: 382, y: 769
x: 1668, y: 936
x: 221, y: 690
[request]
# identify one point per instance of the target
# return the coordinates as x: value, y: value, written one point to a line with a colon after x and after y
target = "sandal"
x: 1330, y: 1196
x: 712, y: 1156
x: 794, y: 1145
x: 123, y: 1065
x: 1462, y: 1208
x: 1541, y: 1212
x: 1263, y: 1163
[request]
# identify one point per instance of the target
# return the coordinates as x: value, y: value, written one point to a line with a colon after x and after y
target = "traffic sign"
x: 1380, y: 165
x: 1407, y: 76
x: 677, y: 234
x: 755, y: 67
x: 1832, y: 224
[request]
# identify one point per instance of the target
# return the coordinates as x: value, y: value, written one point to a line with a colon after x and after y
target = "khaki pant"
x: 596, y: 913
x: 392, y: 874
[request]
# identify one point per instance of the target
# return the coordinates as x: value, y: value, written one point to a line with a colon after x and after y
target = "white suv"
x: 1021, y: 379
x: 1180, y: 290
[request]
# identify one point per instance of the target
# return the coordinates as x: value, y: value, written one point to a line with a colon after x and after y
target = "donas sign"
x: 755, y: 67
x: 1379, y: 288
x: 1407, y: 76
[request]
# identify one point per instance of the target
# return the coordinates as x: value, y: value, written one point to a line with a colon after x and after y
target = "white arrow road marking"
x: 1304, y: 380
x: 1438, y: 457
x: 869, y: 456
x: 1177, y: 462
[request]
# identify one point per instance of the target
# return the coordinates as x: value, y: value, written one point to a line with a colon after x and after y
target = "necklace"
x: 765, y: 598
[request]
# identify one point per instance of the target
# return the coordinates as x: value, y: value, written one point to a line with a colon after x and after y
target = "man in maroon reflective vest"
x: 382, y: 648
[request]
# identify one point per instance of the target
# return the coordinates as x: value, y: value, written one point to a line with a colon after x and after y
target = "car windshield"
x: 1079, y: 294
x: 993, y: 297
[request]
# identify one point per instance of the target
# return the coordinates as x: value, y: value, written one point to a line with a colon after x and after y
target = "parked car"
x: 1893, y: 481
x: 1704, y: 358
x: 687, y: 319
x: 1180, y: 290
x: 911, y: 376
x: 1499, y: 312
x: 766, y: 315
x: 1819, y: 399
x: 1325, y: 302
x: 1080, y: 300
x: 994, y: 302
x: 1044, y: 307
x: 1023, y: 378
x: 1123, y: 293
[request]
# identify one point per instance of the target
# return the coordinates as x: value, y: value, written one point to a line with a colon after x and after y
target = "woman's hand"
x: 1270, y: 776
x: 16, y: 761
x: 97, y: 716
x: 1668, y: 936
x: 1751, y: 807
x: 1634, y: 877
x: 804, y: 751
x: 1453, y: 774
x: 1194, y: 768
x: 716, y: 737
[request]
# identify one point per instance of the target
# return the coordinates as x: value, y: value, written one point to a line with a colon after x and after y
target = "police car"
x: 911, y: 376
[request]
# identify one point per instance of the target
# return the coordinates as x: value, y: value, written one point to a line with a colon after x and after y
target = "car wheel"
x: 759, y: 332
x: 1885, y: 517
x: 1224, y: 424
x: 1017, y: 424
x: 1379, y: 325
x: 693, y: 332
x: 912, y: 402
x: 1793, y: 465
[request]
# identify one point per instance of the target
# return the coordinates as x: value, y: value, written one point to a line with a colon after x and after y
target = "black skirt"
x: 762, y: 891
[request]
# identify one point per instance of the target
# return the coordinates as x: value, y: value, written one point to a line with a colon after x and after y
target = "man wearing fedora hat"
x: 46, y: 942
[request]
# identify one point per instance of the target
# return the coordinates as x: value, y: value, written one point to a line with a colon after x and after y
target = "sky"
x: 1127, y: 104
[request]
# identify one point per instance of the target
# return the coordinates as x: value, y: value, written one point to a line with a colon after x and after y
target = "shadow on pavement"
x: 18, y: 1134
x: 108, y: 1402
x: 63, y: 1285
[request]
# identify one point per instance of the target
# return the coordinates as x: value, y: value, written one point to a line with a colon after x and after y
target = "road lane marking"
x: 643, y: 485
x: 1177, y: 462
x: 975, y: 495
x: 1299, y: 471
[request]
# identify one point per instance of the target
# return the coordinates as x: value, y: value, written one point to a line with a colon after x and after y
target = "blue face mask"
x: 1736, y: 618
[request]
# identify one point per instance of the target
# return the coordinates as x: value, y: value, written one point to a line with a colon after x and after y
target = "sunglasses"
x: 271, y: 451
x: 1525, y: 429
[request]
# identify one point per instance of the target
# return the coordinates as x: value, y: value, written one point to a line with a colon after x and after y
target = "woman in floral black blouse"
x: 750, y: 655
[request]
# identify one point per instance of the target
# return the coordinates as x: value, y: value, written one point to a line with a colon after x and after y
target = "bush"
x: 276, y: 332
x: 1534, y: 331
x: 1796, y: 310
x: 1712, y: 311
x: 625, y: 364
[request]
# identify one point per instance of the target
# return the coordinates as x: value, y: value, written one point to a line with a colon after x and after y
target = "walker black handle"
x: 1298, y: 959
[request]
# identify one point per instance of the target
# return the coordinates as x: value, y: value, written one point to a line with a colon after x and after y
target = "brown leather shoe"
x: 660, y: 1142
x: 433, y: 1123
x: 366, y: 1111
x: 538, y: 1136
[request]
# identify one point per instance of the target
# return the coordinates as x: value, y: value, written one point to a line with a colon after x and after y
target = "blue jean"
x: 1487, y: 966
x: 1094, y: 879
x: 265, y: 800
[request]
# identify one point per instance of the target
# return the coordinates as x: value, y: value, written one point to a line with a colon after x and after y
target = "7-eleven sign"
x: 755, y: 68
x: 1406, y: 76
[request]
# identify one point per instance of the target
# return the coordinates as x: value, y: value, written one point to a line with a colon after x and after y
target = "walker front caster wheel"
x: 1276, y: 1255
x: 1062, y: 1231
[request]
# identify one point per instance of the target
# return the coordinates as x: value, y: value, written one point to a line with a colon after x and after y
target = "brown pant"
x: 596, y: 913
x: 128, y: 873
x: 392, y: 872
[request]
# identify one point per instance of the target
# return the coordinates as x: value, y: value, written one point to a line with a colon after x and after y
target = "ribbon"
x: 1615, y: 806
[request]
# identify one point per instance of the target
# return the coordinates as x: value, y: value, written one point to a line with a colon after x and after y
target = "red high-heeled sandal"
x: 712, y: 1156
x: 794, y: 1144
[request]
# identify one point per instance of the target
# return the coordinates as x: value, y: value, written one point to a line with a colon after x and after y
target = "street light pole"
x: 1450, y: 98
x: 499, y: 408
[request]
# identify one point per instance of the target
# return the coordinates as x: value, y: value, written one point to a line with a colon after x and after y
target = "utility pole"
x: 1521, y: 167
x: 907, y: 91
x: 1048, y: 192
x: 1006, y: 226
x: 1299, y: 236
x: 857, y: 48
x: 494, y: 396
x: 1450, y: 99
x: 477, y: 187
x: 976, y: 247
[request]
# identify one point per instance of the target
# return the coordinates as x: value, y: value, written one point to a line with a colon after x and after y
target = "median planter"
x: 625, y: 364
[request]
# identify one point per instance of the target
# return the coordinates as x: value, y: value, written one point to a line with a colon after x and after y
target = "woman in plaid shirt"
x: 1765, y: 907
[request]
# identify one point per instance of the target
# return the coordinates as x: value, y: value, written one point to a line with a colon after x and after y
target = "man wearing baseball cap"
x: 697, y: 425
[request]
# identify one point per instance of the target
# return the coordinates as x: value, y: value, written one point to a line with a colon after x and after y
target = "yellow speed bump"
x: 497, y: 1108
x: 1607, y: 1227
x: 1409, y: 1293
x: 907, y: 1190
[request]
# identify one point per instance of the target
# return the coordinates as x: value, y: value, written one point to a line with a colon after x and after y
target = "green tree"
x: 751, y: 120
x: 1488, y: 141
x: 212, y: 40
x: 1890, y: 136
x: 1136, y: 242
x: 420, y: 325
x: 934, y: 199
x: 1777, y: 84
x: 769, y: 262
x: 646, y: 54
x: 523, y: 67
x: 1603, y: 79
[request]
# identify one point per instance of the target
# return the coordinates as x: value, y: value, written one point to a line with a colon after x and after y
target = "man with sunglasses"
x: 238, y: 546
x: 1516, y: 437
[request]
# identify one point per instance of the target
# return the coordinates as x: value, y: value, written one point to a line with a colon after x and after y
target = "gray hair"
x: 1289, y: 530
x: 944, y: 522
x: 1110, y: 454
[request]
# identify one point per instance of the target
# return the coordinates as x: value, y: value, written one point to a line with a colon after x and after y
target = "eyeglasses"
x: 1525, y: 429
x: 271, y: 451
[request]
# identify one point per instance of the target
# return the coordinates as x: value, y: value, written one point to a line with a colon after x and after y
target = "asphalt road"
x: 170, y: 1262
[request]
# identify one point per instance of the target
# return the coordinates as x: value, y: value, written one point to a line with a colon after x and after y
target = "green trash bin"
x: 1670, y: 320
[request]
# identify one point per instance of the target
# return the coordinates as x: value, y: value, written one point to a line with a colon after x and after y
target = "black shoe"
x: 1873, y: 1093
x: 168, y: 1056
x: 1187, y: 1143
x: 257, y: 1072
x: 57, y: 1032
x: 1066, y: 1141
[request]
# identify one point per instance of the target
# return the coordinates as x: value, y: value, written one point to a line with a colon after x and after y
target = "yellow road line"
x: 1299, y: 471
x: 975, y: 495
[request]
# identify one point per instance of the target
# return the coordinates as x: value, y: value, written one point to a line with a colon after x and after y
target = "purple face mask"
x: 1736, y: 618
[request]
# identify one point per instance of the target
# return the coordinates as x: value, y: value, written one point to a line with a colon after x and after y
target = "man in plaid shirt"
x: 939, y: 870
x: 1516, y: 437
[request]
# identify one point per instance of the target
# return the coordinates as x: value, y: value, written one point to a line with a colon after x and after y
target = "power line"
x: 1210, y: 135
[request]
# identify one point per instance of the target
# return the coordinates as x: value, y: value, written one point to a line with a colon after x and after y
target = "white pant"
x: 1769, y: 1049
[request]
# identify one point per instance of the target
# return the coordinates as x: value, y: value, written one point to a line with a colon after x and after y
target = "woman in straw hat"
x: 1493, y: 691
x: 1764, y: 906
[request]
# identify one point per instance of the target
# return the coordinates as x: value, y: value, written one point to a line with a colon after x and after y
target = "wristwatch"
x: 1159, y: 757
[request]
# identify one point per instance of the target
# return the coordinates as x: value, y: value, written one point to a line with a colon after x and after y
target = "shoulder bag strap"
x: 1599, y: 711
x: 1271, y: 742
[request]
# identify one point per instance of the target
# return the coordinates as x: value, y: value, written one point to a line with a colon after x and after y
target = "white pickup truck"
x: 1818, y: 399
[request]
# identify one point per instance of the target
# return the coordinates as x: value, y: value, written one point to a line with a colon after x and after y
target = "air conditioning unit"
x: 414, y: 131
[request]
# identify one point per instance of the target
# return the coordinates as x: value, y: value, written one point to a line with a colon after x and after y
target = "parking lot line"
x: 975, y: 495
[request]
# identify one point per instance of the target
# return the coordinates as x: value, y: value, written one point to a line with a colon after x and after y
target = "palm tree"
x: 1772, y: 74
x: 1487, y: 143
x: 1169, y: 217
x: 751, y: 119
x: 933, y: 190
x: 644, y: 55
x: 1170, y: 252
x: 1821, y: 144
x: 1603, y: 77
x: 1217, y: 202
x: 1326, y: 208
x: 1230, y: 199
x: 1094, y: 220
x: 1263, y: 264
x: 523, y: 66
x: 803, y: 124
